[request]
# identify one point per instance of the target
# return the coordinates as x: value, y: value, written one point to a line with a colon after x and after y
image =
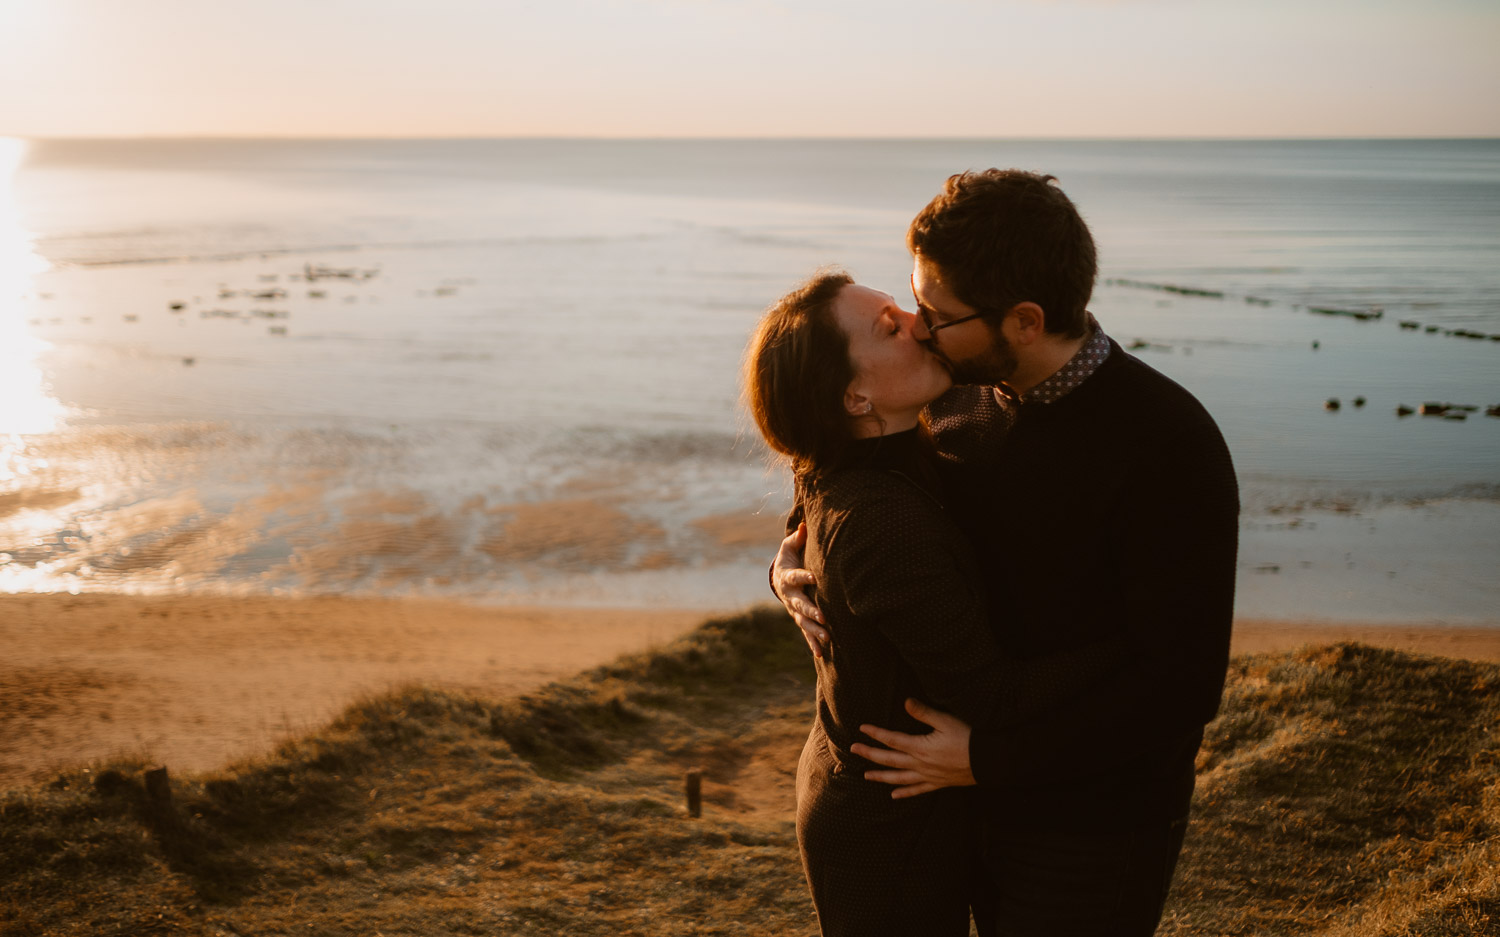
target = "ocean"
x: 507, y: 370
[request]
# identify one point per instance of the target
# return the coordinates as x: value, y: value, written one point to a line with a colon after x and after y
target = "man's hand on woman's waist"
x: 922, y: 763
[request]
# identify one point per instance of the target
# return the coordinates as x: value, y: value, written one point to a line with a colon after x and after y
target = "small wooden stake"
x: 159, y: 786
x: 695, y: 792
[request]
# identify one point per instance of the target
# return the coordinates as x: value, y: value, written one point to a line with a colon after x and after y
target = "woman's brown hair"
x: 796, y: 371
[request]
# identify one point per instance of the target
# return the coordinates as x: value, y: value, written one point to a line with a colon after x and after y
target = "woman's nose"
x: 917, y: 327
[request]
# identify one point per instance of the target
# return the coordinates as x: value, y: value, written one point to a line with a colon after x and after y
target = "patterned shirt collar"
x: 1078, y: 369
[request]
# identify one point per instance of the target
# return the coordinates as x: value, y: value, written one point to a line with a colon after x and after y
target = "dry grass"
x: 1345, y: 791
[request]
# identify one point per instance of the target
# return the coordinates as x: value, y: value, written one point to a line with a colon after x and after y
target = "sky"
x: 750, y: 68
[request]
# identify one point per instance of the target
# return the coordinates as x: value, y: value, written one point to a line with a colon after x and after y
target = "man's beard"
x: 995, y: 366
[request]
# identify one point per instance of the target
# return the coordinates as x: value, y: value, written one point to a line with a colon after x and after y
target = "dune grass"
x: 1344, y: 791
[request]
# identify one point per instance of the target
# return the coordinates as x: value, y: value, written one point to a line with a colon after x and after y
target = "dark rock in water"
x: 1138, y: 344
x: 1191, y: 291
x: 1455, y: 415
x: 1404, y: 410
x: 1165, y: 287
x: 1332, y: 403
x: 1434, y: 409
x: 1315, y: 344
x: 1363, y: 315
x: 1359, y: 401
x: 1466, y: 407
x: 189, y: 360
x: 1409, y: 324
x: 176, y: 307
x: 1492, y: 410
x: 1432, y: 328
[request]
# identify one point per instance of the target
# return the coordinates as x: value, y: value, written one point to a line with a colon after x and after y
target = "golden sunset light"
x: 25, y: 406
x: 543, y: 466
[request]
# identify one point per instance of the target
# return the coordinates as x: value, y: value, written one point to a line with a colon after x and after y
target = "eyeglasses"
x: 927, y: 320
x: 926, y: 314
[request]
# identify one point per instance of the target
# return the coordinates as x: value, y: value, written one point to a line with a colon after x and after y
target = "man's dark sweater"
x: 1110, y: 513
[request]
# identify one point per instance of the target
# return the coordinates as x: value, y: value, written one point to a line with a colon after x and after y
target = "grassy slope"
x: 1343, y: 791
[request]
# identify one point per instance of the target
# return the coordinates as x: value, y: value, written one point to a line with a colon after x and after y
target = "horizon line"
x: 769, y: 138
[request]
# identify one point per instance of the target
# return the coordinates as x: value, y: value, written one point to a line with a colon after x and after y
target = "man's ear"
x: 1024, y: 323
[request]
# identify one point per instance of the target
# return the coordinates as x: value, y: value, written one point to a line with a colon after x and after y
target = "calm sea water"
x: 523, y: 384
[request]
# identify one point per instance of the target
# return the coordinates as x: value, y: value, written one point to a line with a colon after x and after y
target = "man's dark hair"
x: 1005, y: 236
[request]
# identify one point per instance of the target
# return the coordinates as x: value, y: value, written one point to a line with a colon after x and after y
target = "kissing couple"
x: 1012, y: 554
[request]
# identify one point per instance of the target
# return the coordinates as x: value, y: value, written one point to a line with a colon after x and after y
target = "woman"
x: 836, y: 381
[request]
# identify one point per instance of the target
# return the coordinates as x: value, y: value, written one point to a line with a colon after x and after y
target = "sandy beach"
x: 195, y: 682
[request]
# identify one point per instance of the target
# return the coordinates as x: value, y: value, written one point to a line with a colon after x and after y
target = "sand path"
x: 195, y: 682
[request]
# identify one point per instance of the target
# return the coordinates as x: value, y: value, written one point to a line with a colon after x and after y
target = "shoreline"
x: 1467, y: 641
x: 200, y: 681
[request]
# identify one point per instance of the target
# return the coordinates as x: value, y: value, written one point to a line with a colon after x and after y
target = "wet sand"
x: 195, y: 682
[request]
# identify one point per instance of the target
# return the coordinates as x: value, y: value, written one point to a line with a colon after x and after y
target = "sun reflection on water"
x: 25, y: 407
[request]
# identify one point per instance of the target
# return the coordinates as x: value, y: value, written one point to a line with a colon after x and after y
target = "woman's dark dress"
x: 903, y: 606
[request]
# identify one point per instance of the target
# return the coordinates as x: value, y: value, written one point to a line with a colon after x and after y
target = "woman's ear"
x: 856, y: 403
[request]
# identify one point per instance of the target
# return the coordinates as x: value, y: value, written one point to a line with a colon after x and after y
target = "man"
x: 1107, y: 527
